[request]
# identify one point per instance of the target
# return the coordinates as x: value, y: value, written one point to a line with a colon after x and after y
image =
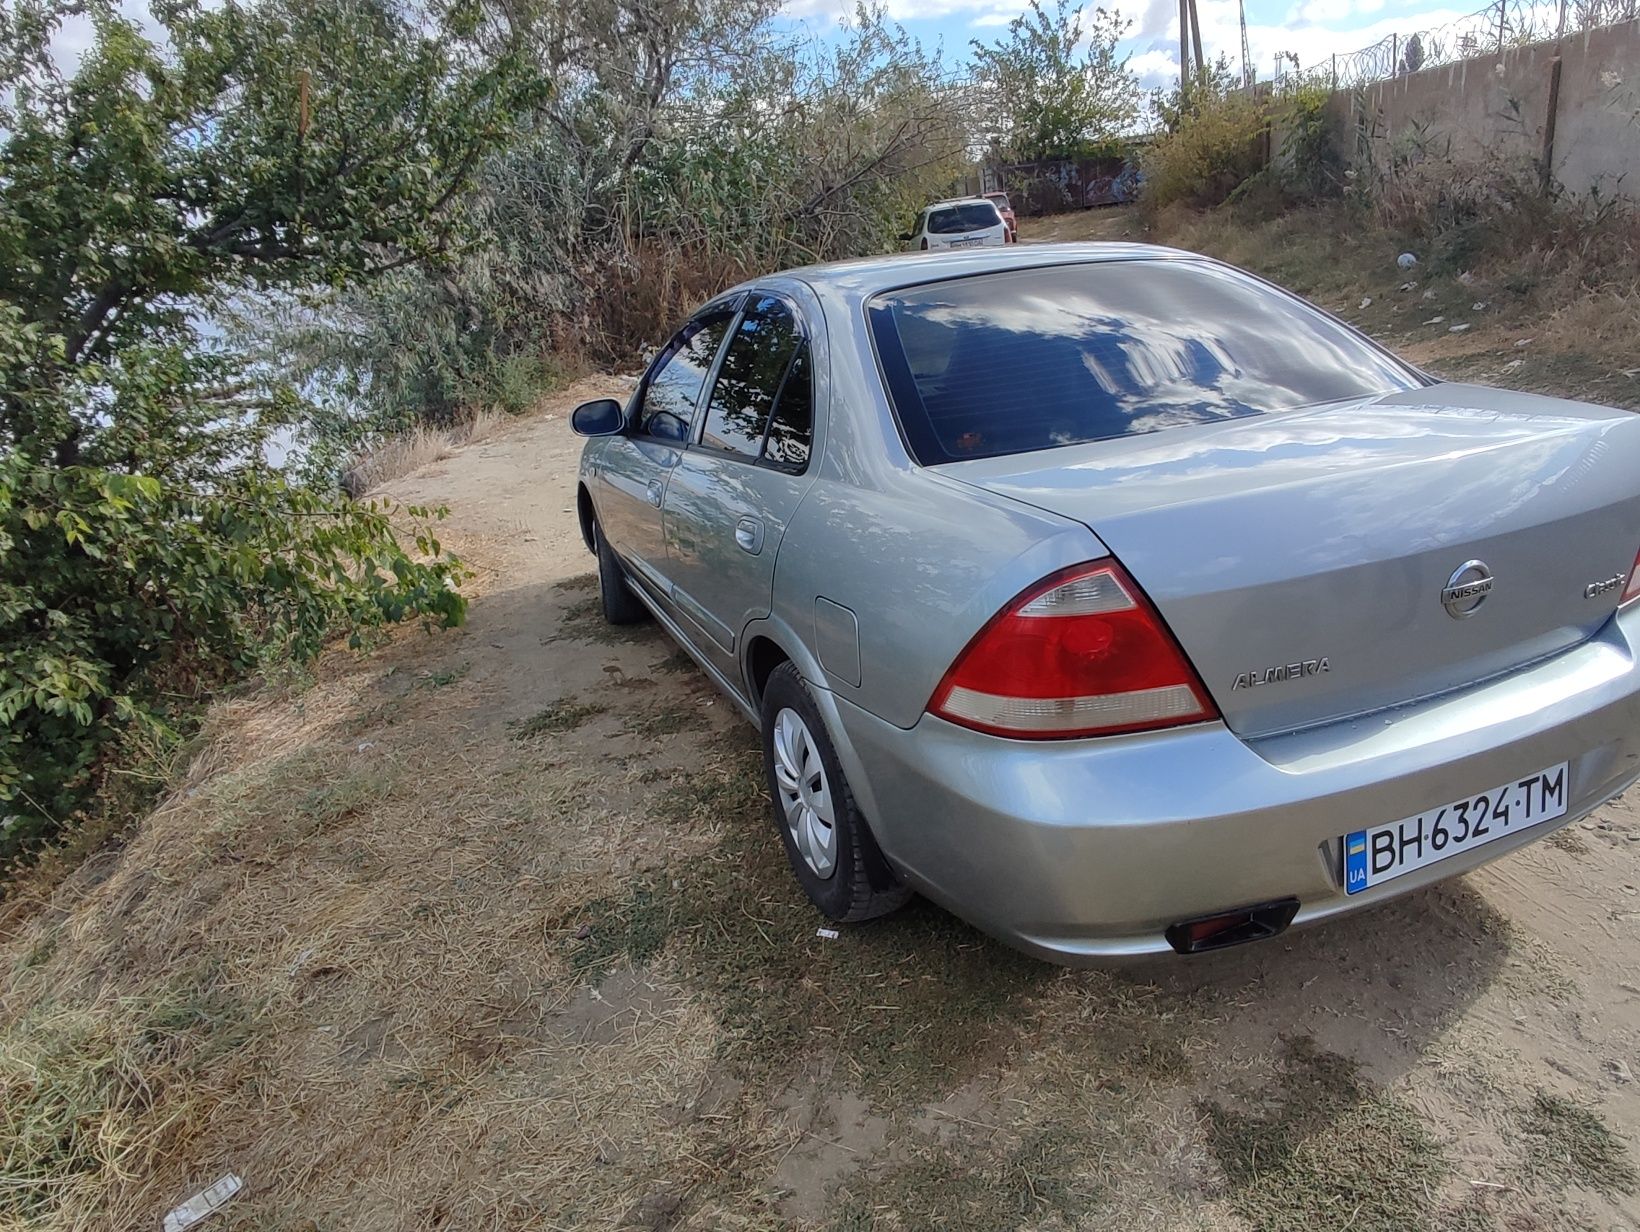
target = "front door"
x: 734, y: 490
x: 633, y: 469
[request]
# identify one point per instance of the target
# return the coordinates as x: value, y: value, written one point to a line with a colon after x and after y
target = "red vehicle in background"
x: 1000, y: 200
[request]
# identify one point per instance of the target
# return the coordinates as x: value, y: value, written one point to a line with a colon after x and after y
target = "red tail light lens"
x: 1082, y: 653
x: 1631, y: 591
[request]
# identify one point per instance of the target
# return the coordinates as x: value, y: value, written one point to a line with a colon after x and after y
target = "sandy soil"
x: 1523, y: 975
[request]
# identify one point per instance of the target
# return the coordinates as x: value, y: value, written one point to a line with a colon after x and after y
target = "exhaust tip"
x: 1227, y: 928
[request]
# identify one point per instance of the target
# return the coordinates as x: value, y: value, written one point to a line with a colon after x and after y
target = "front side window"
x: 750, y: 377
x: 961, y: 219
x: 673, y: 389
x: 1022, y: 360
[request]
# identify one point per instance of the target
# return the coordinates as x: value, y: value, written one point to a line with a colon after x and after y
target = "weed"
x: 583, y: 621
x: 445, y: 676
x: 1569, y: 841
x: 665, y: 721
x: 635, y: 928
x: 39, y: 954
x: 195, y: 1020
x: 563, y: 715
x: 676, y: 663
x: 90, y: 1096
x: 974, y: 1191
x: 1569, y: 1144
x: 1326, y: 1151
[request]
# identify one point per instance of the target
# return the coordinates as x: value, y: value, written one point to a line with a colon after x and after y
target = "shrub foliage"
x: 145, y: 540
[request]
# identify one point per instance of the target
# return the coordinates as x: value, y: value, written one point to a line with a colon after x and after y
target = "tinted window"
x: 792, y: 425
x: 957, y: 219
x: 1029, y: 359
x: 750, y: 376
x: 673, y: 390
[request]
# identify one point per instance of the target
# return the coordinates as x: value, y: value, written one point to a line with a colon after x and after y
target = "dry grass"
x: 400, y: 455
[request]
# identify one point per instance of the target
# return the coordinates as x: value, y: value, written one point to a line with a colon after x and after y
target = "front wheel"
x: 829, y: 845
x: 621, y: 606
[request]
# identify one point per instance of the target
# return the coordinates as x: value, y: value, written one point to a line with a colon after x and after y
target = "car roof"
x: 864, y: 277
x: 951, y: 201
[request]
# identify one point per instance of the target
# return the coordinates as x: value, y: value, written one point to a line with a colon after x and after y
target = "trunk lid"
x: 1301, y: 558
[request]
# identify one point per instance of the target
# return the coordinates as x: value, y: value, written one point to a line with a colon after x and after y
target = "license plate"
x: 1383, y: 853
x: 965, y: 243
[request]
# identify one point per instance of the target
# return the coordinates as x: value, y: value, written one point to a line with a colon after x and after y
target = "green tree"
x: 695, y: 146
x: 1055, y: 88
x: 250, y: 147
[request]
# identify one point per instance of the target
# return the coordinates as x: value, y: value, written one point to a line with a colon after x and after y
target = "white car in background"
x: 972, y: 222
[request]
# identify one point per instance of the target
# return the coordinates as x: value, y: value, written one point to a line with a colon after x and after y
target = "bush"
x: 147, y: 549
x: 1213, y: 143
x: 115, y: 589
x: 1309, y: 166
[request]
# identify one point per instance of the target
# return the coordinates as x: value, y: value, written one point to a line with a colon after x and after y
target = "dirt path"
x: 487, y: 929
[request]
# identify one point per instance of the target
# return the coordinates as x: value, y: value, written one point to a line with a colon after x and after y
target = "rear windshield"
x: 956, y: 219
x: 1031, y: 359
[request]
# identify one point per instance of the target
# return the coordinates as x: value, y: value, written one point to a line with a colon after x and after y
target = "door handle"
x: 749, y: 535
x: 653, y: 492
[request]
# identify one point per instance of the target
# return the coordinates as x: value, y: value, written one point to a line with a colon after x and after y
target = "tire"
x: 839, y: 866
x: 621, y: 606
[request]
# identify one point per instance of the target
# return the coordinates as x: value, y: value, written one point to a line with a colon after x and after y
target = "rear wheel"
x: 621, y: 606
x: 829, y: 845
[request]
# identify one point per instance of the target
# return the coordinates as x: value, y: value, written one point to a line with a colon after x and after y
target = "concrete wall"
x: 1500, y: 103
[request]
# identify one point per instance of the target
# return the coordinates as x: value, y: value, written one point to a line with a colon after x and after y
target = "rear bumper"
x: 1083, y: 850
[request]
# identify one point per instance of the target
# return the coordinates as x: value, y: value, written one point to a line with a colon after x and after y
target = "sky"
x: 1311, y: 29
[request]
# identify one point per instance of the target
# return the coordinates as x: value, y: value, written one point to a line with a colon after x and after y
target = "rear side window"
x: 792, y: 427
x: 1031, y: 359
x: 958, y: 219
x: 674, y: 385
x: 750, y: 377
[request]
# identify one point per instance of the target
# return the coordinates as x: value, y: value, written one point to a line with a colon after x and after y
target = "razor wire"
x: 1500, y: 26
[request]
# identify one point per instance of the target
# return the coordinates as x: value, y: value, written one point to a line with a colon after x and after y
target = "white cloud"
x: 1313, y: 30
x: 1315, y: 44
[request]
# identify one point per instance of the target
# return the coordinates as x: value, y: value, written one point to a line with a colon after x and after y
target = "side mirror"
x: 600, y: 417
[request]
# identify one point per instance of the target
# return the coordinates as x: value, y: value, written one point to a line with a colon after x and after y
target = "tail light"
x: 1631, y: 591
x: 1081, y: 653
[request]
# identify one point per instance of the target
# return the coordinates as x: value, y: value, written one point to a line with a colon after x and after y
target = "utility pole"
x: 1196, y: 34
x: 1246, y: 56
x: 1184, y: 52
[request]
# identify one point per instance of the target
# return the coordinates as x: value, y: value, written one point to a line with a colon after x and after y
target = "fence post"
x: 1335, y: 71
x: 1394, y: 54
x: 1546, y: 161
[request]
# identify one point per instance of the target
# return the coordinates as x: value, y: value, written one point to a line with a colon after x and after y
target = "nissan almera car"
x: 1119, y: 601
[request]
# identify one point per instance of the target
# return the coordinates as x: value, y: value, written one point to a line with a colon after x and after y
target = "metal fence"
x: 1496, y: 28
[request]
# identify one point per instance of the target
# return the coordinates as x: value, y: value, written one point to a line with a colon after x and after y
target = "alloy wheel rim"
x: 805, y: 793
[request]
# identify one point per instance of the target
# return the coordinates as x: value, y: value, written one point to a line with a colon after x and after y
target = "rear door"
x: 734, y: 490
x: 633, y: 469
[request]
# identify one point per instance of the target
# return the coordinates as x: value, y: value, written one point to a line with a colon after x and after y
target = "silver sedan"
x: 1118, y: 600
